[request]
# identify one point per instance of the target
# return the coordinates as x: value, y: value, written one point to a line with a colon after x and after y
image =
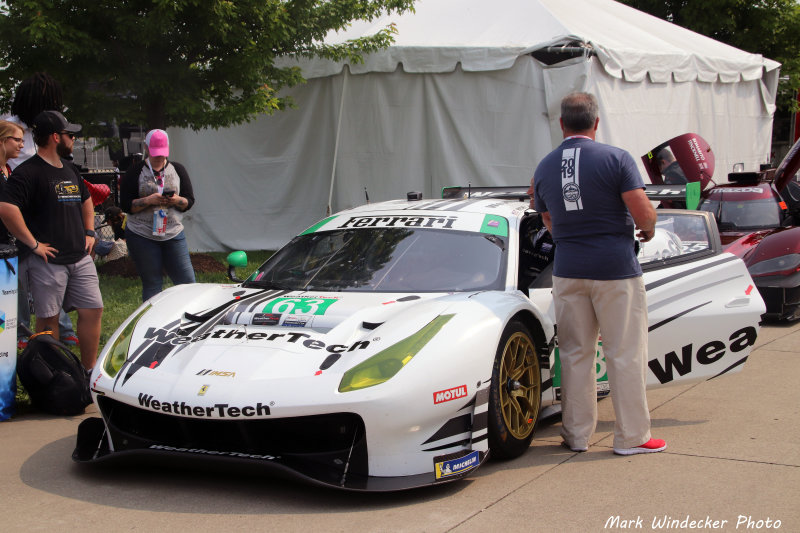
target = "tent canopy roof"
x: 483, y: 35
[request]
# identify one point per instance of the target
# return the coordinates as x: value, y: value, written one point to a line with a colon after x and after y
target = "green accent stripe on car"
x: 495, y: 225
x: 318, y: 225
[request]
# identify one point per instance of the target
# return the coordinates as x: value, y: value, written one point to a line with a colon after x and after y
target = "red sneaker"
x: 72, y: 340
x: 651, y: 446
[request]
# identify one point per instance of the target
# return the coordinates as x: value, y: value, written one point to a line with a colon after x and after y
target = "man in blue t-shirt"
x: 590, y: 196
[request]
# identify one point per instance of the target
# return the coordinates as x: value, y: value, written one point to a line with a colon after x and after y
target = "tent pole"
x: 345, y: 74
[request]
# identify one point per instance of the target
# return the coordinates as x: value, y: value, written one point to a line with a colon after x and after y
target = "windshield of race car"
x: 386, y: 260
x: 753, y: 214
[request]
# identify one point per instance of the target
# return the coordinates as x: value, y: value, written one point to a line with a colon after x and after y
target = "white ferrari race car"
x: 396, y: 344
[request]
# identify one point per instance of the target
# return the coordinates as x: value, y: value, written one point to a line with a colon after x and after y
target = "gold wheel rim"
x: 520, y: 386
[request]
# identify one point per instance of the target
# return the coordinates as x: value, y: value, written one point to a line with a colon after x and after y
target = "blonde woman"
x: 11, y: 144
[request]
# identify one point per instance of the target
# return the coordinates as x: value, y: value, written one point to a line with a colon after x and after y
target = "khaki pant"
x: 618, y: 308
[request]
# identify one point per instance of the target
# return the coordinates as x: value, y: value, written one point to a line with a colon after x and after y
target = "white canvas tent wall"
x: 460, y: 99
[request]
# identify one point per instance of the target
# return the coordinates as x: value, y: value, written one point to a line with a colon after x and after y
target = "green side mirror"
x: 237, y: 259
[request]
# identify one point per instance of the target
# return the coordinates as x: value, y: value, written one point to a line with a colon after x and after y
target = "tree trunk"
x: 154, y: 109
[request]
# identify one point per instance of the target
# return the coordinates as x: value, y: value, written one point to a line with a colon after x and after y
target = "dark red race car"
x: 758, y: 213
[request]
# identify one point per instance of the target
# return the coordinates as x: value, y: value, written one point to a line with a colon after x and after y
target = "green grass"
x: 121, y: 297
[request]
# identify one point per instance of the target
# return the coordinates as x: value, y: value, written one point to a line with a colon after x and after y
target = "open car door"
x: 703, y: 309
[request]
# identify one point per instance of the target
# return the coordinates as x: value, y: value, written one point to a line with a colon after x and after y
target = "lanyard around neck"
x: 158, y: 175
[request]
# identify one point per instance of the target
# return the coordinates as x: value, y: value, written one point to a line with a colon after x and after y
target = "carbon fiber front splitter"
x: 92, y: 446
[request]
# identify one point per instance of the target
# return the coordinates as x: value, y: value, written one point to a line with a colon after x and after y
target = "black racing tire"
x: 515, y: 394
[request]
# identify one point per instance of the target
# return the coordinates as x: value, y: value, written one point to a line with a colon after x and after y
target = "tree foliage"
x: 767, y: 27
x: 188, y: 63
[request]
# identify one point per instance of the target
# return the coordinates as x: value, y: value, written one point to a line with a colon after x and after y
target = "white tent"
x: 466, y: 95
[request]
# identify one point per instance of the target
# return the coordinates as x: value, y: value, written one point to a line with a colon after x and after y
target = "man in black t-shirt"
x: 46, y: 206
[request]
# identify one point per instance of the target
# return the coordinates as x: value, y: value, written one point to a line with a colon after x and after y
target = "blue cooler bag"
x: 8, y: 329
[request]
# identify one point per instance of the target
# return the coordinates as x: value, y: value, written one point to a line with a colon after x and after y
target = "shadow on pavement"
x: 201, y: 485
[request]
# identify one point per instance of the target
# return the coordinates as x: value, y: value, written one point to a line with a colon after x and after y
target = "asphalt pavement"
x: 732, y: 464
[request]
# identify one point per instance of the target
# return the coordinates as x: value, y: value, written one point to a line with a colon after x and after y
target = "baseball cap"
x: 48, y: 122
x: 157, y: 143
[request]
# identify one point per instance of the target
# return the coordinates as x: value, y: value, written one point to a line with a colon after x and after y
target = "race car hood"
x: 692, y: 154
x: 696, y: 160
x: 769, y: 246
x: 196, y: 336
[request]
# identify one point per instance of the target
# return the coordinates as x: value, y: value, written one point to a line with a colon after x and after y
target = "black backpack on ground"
x: 54, y: 377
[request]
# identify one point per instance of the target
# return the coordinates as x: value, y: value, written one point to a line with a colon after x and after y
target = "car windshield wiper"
x: 328, y: 285
x: 496, y: 241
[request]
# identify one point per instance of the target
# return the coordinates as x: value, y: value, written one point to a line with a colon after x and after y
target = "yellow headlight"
x: 385, y: 364
x: 118, y: 353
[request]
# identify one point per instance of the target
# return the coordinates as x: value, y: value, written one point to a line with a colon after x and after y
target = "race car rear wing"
x: 665, y: 192
x: 508, y: 192
x: 682, y: 196
x: 653, y: 192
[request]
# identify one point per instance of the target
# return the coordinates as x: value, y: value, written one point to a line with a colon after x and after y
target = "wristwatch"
x: 90, y: 233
